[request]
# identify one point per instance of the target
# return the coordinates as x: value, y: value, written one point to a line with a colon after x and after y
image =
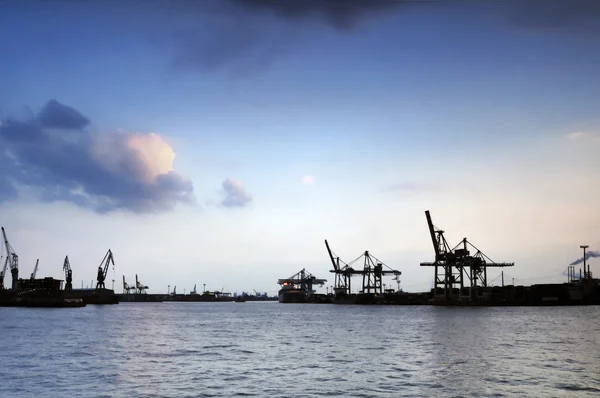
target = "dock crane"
x: 372, y: 273
x: 342, y: 284
x: 452, y: 271
x: 194, y: 291
x: 453, y: 263
x: 139, y: 287
x: 68, y: 275
x: 103, y: 269
x: 126, y: 288
x: 13, y: 260
x: 37, y: 262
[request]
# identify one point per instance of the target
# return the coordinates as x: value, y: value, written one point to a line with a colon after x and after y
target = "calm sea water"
x: 296, y: 350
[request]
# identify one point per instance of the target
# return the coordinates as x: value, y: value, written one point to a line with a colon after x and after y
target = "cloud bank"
x: 234, y: 194
x: 340, y: 14
x: 246, y: 36
x: 54, y: 155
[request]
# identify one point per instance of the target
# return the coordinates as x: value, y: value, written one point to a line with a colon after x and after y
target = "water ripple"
x: 269, y: 349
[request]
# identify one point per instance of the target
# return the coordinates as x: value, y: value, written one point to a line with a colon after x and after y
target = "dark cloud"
x: 59, y: 116
x: 101, y: 171
x: 234, y: 194
x: 341, y: 14
x: 552, y: 14
x: 244, y: 37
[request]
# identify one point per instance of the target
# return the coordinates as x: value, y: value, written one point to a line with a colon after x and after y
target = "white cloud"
x: 308, y: 180
x: 234, y: 193
x: 581, y: 135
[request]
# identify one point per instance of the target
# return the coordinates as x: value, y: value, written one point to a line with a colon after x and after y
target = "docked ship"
x: 298, y: 288
x: 43, y: 292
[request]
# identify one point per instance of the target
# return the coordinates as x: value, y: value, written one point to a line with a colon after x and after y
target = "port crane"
x: 372, y: 273
x: 139, y: 287
x: 343, y: 274
x: 68, y: 274
x: 126, y: 288
x: 103, y: 269
x: 452, y: 264
x: 37, y: 262
x: 194, y: 291
x: 12, y: 259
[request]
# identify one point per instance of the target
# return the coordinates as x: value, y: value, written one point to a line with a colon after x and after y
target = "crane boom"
x: 335, y: 266
x: 37, y: 262
x: 434, y: 240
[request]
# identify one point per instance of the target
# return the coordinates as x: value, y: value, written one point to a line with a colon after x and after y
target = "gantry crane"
x: 103, y: 269
x: 139, y: 287
x: 372, y: 273
x: 342, y: 283
x: 68, y: 275
x: 454, y: 263
x: 12, y: 259
x: 37, y: 262
x: 126, y: 288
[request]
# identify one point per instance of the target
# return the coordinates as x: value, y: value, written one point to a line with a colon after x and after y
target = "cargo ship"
x: 298, y: 288
x: 44, y: 292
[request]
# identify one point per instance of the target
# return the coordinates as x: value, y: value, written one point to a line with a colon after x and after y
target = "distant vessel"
x: 298, y: 288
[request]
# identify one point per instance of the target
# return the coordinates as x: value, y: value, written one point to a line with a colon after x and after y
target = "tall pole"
x: 502, y: 278
x: 586, y: 271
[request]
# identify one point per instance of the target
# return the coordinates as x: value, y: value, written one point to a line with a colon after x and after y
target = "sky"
x: 220, y: 142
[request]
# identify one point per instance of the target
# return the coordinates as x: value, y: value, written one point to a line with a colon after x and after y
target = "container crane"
x: 343, y: 274
x: 12, y: 259
x: 103, y: 269
x: 372, y: 273
x: 456, y: 262
x: 126, y: 288
x: 139, y: 287
x: 451, y: 274
x: 37, y: 262
x: 68, y: 275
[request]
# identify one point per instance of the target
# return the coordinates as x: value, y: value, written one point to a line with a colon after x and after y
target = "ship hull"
x: 292, y: 296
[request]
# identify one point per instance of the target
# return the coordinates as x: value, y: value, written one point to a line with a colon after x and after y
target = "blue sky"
x: 485, y: 114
